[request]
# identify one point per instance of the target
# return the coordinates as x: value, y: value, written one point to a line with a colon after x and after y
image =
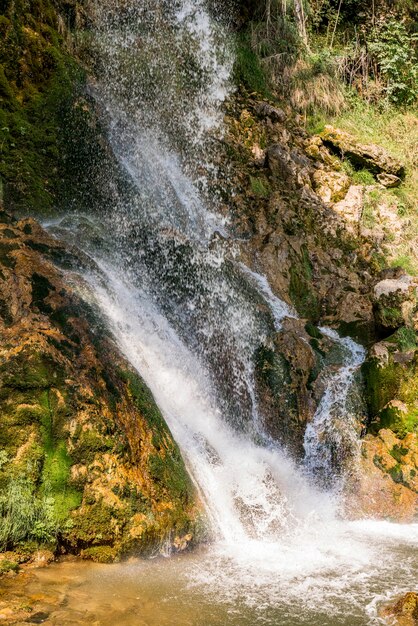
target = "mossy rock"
x: 301, y: 290
x: 391, y: 377
x: 86, y: 458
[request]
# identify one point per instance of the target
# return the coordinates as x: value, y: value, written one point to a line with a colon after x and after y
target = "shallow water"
x: 255, y: 584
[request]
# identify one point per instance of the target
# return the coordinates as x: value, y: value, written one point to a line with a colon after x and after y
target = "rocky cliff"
x: 87, y: 463
x: 301, y: 219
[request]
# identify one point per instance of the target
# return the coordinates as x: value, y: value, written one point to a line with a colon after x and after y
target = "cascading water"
x: 189, y: 318
x: 332, y: 428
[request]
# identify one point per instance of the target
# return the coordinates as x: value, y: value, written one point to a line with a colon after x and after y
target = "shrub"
x: 395, y: 51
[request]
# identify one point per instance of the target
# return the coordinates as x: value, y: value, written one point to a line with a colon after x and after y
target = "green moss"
x: 101, y: 554
x: 406, y: 262
x: 392, y: 382
x: 390, y: 317
x: 398, y: 452
x: 169, y: 474
x: 248, y: 70
x: 31, y: 370
x: 37, y: 82
x: 8, y: 566
x: 313, y: 331
x: 93, y: 527
x: 300, y: 287
x: 396, y: 474
x: 87, y: 444
x: 260, y: 187
x: 405, y: 338
x: 145, y: 403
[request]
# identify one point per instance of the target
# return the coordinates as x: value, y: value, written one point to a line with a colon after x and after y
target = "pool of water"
x: 249, y: 585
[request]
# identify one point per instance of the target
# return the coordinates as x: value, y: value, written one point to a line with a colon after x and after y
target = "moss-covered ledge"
x: 87, y: 464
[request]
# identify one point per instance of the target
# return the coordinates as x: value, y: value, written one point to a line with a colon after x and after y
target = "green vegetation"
x: 301, y: 291
x: 260, y: 187
x: 392, y: 387
x: 38, y: 81
x: 248, y: 70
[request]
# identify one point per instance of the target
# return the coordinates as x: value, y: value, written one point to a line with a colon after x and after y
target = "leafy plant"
x: 395, y: 51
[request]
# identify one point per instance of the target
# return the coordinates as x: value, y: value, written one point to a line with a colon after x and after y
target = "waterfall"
x: 332, y: 429
x: 186, y: 314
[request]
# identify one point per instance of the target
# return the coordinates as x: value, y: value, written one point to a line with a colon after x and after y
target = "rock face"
x: 283, y: 369
x: 87, y: 463
x: 402, y: 612
x: 369, y: 156
x: 386, y: 482
x: 304, y: 245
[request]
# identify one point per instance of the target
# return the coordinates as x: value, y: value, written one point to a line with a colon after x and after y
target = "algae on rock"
x: 87, y: 463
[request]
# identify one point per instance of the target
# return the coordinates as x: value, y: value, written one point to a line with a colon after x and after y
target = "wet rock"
x: 403, y: 611
x: 283, y: 368
x: 368, y: 156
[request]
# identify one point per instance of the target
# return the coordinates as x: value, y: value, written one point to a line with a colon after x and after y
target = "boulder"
x: 369, y: 156
x: 388, y: 180
x: 395, y: 302
x: 280, y: 163
x: 402, y: 611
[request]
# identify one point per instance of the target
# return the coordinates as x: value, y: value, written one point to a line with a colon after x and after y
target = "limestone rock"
x: 369, y: 156
x: 385, y: 485
x: 388, y: 180
x: 316, y: 149
x: 331, y: 186
x: 279, y: 161
x: 350, y: 208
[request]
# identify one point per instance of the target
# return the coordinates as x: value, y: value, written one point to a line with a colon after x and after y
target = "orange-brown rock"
x: 385, y: 484
x: 87, y: 463
x: 403, y: 611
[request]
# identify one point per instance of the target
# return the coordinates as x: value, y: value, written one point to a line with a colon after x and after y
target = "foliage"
x: 395, y: 51
x: 25, y: 516
x: 405, y: 261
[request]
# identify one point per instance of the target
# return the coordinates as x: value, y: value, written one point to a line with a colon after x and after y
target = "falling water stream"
x: 189, y: 318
